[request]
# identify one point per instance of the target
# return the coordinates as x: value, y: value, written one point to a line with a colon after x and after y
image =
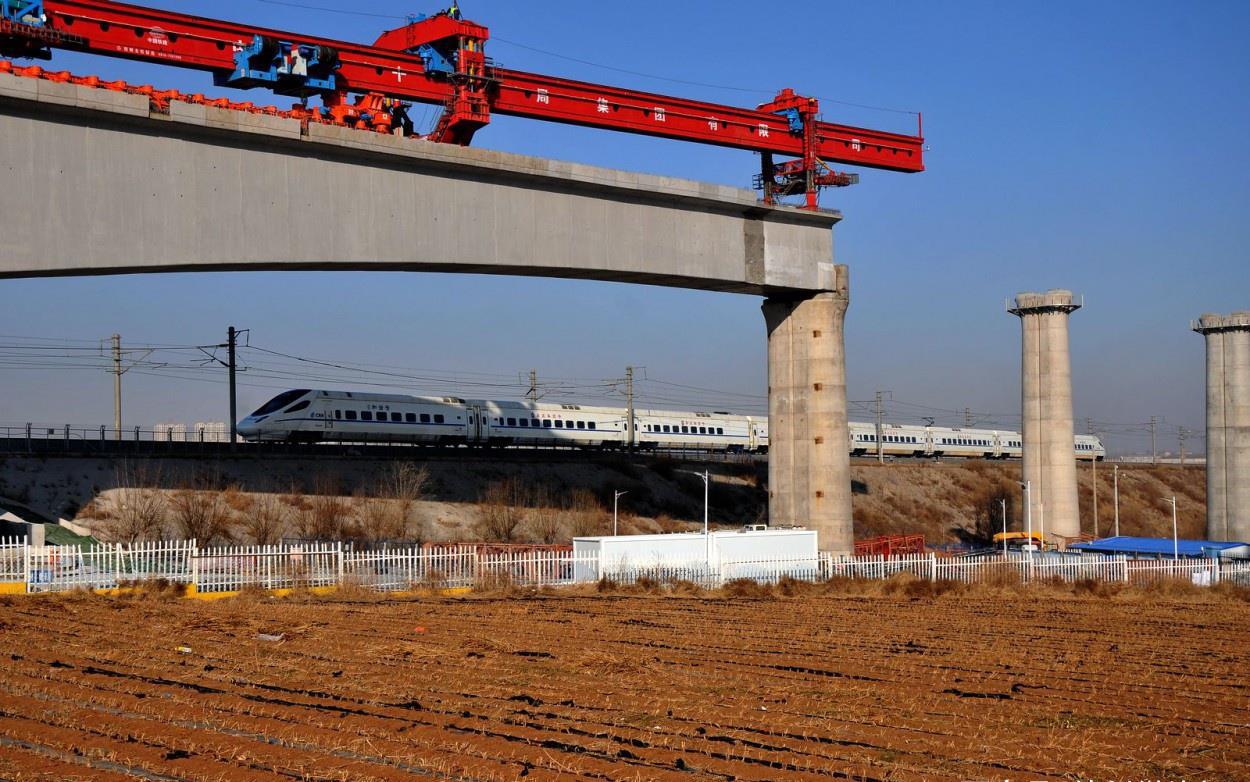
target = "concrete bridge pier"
x: 1228, y: 424
x: 809, y: 466
x: 1048, y: 433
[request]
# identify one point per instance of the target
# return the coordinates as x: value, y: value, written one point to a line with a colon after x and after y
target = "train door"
x: 928, y: 441
x: 477, y: 424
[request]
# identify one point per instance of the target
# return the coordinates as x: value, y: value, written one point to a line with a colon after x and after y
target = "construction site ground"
x: 749, y: 684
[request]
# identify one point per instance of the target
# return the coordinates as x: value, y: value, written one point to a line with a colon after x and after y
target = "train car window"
x: 338, y: 414
x: 581, y: 424
x: 568, y: 424
x: 665, y: 427
x: 365, y: 415
x: 397, y: 417
x: 559, y: 424
x: 410, y: 418
x: 547, y: 423
x: 438, y: 418
x: 295, y: 408
x: 720, y: 430
x: 511, y: 422
x: 425, y: 418
x: 350, y: 415
x: 591, y: 425
x: 534, y: 422
x: 523, y: 421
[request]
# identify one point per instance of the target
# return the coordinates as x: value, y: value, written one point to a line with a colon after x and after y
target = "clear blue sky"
x: 1094, y: 146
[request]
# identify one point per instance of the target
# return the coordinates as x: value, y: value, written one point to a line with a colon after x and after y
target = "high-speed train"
x: 306, y: 415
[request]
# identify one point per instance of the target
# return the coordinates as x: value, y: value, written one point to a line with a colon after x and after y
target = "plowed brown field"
x: 624, y: 688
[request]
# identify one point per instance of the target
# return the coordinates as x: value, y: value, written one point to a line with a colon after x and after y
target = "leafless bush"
x: 200, y: 515
x: 501, y: 511
x: 324, y: 515
x: 546, y: 518
x: 137, y: 508
x: 238, y: 500
x: 265, y: 522
x: 588, y: 517
x: 403, y: 486
x: 322, y: 518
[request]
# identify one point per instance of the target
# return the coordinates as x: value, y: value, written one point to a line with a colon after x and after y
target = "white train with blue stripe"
x: 305, y: 415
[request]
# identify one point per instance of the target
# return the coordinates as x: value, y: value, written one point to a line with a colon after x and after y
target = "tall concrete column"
x: 809, y: 465
x: 1228, y: 424
x: 1046, y: 405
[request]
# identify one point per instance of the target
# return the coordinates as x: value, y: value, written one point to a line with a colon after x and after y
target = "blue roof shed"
x: 1162, y: 547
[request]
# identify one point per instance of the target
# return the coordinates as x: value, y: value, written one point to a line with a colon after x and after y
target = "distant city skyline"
x: 1098, y: 149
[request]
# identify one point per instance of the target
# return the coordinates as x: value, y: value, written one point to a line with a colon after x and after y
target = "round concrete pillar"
x: 809, y: 471
x: 1228, y: 424
x: 1048, y: 446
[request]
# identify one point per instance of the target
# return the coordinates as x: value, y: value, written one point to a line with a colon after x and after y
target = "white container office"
x: 748, y: 552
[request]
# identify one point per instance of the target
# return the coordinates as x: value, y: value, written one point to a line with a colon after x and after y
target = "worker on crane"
x: 454, y: 11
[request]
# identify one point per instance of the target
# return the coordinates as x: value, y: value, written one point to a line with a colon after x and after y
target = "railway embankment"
x: 552, y: 498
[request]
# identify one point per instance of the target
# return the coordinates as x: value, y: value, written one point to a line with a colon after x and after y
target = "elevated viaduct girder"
x: 111, y: 186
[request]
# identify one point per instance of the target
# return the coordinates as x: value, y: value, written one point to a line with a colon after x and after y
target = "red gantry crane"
x: 441, y: 60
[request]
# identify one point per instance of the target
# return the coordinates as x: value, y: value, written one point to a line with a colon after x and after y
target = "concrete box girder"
x: 205, y: 188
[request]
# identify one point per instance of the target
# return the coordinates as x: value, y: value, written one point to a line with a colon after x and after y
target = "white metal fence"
x: 233, y: 568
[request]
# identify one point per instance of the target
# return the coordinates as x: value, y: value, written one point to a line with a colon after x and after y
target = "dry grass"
x: 949, y: 501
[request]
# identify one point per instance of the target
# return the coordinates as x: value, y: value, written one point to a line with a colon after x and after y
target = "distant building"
x: 211, y: 432
x: 169, y: 432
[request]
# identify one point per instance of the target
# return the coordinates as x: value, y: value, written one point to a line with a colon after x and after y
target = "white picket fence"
x: 59, y: 568
x: 234, y: 568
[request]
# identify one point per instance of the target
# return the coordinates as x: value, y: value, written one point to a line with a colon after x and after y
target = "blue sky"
x: 1098, y: 147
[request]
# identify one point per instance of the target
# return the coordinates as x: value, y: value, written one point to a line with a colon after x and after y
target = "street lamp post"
x: 1003, y: 502
x: 1028, y: 509
x: 707, y: 540
x: 616, y: 495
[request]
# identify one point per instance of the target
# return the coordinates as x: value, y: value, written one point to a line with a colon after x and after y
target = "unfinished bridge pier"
x: 1228, y: 424
x: 1046, y: 400
x: 809, y: 467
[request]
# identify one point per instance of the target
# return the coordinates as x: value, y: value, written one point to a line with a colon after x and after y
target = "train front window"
x: 280, y: 401
x: 295, y: 408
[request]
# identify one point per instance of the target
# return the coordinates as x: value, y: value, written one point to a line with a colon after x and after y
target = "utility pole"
x: 117, y: 386
x: 231, y: 337
x: 1154, y: 451
x: 533, y: 392
x: 880, y: 447
x: 1181, y: 432
x: 967, y: 418
x: 631, y: 440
